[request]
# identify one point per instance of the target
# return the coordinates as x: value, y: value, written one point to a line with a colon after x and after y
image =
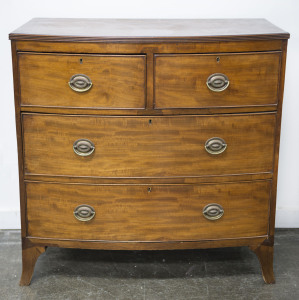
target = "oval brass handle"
x: 213, y: 211
x: 215, y: 145
x: 83, y: 147
x: 217, y: 82
x: 84, y: 212
x: 80, y: 83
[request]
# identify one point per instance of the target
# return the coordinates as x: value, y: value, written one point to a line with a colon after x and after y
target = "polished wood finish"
x: 148, y: 180
x: 139, y: 245
x: 117, y: 81
x: 18, y: 130
x: 155, y: 47
x: 176, y: 30
x: 148, y: 147
x: 149, y: 111
x: 29, y: 258
x: 264, y: 254
x: 253, y: 79
x: 277, y: 141
x: 154, y: 175
x: 148, y: 213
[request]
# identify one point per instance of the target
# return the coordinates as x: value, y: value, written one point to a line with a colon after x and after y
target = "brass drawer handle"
x: 217, y: 82
x: 83, y: 147
x: 80, y: 83
x: 213, y: 211
x: 84, y: 212
x: 215, y: 145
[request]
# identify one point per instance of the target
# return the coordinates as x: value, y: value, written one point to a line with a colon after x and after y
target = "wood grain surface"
x: 146, y: 245
x: 149, y: 111
x: 143, y: 47
x: 149, y: 180
x: 149, y: 114
x: 148, y: 146
x: 29, y: 258
x: 265, y: 256
x: 117, y: 81
x: 132, y: 213
x: 59, y: 29
x: 277, y: 139
x: 180, y: 80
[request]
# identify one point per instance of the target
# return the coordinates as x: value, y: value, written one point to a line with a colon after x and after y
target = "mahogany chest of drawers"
x: 148, y: 134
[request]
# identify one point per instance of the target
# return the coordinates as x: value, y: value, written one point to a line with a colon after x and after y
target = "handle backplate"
x: 84, y: 213
x: 217, y: 82
x: 215, y: 145
x: 213, y: 211
x: 83, y: 147
x: 80, y: 83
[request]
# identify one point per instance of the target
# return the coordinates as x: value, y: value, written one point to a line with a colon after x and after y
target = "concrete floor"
x: 228, y: 273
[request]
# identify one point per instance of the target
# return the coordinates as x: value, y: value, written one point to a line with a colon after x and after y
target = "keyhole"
x: 149, y: 189
x: 149, y: 121
x: 81, y: 60
x: 218, y: 59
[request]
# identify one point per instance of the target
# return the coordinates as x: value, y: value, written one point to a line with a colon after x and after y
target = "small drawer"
x: 148, y: 146
x: 82, y: 81
x: 135, y: 213
x: 216, y: 80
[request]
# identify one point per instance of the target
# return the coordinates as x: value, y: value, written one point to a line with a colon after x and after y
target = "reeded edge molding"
x: 225, y: 38
x: 263, y: 237
x: 254, y: 241
x: 265, y: 175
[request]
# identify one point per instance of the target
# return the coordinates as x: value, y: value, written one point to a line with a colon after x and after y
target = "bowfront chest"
x: 148, y: 134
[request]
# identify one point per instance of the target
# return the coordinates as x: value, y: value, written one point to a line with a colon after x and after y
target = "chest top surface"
x: 54, y: 29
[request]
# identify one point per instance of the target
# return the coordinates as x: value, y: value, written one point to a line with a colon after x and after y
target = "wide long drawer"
x: 88, y: 81
x: 216, y: 80
x: 148, y: 146
x: 143, y: 213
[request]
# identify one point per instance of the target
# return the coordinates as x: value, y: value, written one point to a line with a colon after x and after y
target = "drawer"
x: 132, y: 213
x: 113, y: 81
x: 251, y: 79
x: 148, y: 146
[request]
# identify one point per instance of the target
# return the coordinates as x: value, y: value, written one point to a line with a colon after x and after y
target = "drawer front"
x: 147, y: 146
x: 117, y: 81
x: 181, y: 80
x: 132, y: 213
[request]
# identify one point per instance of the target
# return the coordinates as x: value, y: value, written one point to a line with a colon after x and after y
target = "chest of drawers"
x: 148, y: 134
